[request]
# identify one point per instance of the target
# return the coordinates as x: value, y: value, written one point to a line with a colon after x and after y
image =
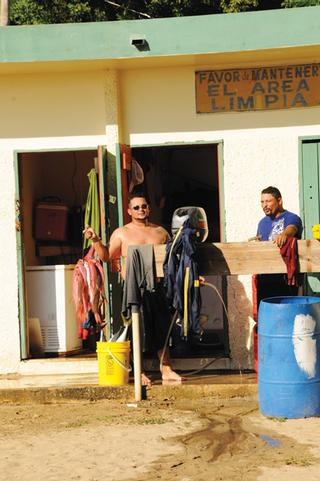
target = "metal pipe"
x: 136, y: 352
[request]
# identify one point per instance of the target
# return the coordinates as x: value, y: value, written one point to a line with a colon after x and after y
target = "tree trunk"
x: 4, y: 13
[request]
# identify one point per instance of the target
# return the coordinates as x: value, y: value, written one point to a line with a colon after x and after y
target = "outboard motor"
x: 197, y: 218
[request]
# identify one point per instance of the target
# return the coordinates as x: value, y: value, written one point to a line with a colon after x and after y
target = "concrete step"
x: 55, y: 388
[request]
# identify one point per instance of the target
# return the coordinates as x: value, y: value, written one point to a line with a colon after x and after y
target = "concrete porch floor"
x: 87, y: 363
x: 72, y: 378
x: 17, y: 381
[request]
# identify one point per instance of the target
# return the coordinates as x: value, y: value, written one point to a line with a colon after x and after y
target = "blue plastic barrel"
x: 289, y: 356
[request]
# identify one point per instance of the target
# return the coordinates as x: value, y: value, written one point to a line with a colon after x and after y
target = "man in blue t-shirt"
x: 277, y: 225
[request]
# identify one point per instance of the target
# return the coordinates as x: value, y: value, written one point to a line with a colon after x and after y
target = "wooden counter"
x: 236, y: 258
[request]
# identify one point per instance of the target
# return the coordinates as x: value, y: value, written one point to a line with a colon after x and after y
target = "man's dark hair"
x: 137, y: 193
x: 272, y: 191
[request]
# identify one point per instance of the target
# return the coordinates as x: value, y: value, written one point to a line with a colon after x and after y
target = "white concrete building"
x: 214, y: 109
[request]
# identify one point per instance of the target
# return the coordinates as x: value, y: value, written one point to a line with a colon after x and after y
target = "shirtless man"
x: 138, y: 232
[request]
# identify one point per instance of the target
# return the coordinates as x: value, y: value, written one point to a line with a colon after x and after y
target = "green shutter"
x: 311, y: 208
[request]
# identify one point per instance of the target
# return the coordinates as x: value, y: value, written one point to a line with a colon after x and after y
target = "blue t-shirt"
x: 269, y: 228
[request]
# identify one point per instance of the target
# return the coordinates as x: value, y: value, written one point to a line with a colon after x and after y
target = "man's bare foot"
x: 169, y: 375
x: 145, y: 381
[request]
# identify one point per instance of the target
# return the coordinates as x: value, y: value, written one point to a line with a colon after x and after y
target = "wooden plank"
x: 236, y: 258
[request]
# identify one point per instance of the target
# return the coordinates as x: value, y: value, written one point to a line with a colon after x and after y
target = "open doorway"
x: 53, y: 192
x: 188, y: 175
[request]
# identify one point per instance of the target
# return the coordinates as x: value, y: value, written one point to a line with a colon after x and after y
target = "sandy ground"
x: 197, y: 440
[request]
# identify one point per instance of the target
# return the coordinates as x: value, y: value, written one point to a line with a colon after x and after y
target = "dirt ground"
x: 197, y: 440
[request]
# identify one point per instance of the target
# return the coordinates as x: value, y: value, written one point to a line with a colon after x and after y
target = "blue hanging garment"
x: 181, y: 279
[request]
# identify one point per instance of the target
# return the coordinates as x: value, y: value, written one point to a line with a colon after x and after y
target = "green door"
x: 24, y: 342
x: 111, y: 217
x: 310, y: 200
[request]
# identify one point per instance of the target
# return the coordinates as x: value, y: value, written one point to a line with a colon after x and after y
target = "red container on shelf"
x: 51, y: 221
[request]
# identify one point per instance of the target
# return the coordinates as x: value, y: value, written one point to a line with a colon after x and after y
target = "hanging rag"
x: 140, y: 276
x: 88, y: 292
x: 181, y: 279
x: 142, y: 289
x: 289, y: 253
x: 92, y: 209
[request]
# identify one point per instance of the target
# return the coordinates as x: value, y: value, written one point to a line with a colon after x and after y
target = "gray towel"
x: 140, y: 276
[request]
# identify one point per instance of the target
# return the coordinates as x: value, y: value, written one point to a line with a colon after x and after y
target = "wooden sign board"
x: 262, y: 88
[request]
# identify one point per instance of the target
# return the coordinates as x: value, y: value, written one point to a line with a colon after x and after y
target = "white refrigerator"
x: 49, y: 298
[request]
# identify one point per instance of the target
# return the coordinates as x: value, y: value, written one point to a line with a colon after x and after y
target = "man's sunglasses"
x: 142, y: 206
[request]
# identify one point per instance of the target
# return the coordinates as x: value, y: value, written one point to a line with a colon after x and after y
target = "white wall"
x: 259, y: 149
x: 40, y: 112
x: 80, y: 110
x: 9, y: 327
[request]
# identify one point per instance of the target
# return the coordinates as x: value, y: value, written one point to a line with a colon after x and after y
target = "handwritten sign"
x: 263, y: 88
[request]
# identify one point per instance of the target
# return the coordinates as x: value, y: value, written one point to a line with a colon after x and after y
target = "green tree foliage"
x: 55, y: 11
x: 232, y: 6
x: 28, y: 12
x: 61, y: 11
x: 174, y: 8
x: 300, y: 3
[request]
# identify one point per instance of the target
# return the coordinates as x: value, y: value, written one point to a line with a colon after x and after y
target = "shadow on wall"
x: 241, y: 324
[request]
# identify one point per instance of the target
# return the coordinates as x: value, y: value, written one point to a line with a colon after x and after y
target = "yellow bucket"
x: 316, y: 231
x: 113, y: 363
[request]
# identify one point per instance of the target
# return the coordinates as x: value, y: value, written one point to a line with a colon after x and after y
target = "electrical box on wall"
x: 51, y: 221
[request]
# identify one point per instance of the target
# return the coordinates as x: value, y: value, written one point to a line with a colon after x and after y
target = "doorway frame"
x: 219, y: 144
x: 220, y: 164
x: 22, y: 295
